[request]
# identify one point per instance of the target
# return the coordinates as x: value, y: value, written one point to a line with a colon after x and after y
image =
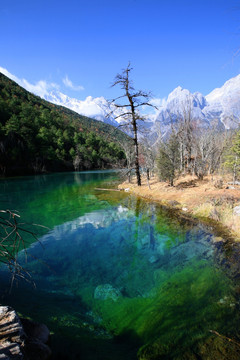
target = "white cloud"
x: 151, y: 113
x: 41, y: 88
x: 97, y: 108
x: 68, y: 83
x: 88, y: 107
x: 158, y: 102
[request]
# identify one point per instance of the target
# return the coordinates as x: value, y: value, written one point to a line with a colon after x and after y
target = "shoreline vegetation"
x: 213, y: 200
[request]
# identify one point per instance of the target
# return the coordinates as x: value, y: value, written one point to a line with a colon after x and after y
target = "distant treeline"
x: 37, y: 136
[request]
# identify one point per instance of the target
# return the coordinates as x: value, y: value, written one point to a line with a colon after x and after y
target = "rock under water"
x: 106, y: 291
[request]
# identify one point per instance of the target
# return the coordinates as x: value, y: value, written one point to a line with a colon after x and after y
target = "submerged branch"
x: 224, y: 337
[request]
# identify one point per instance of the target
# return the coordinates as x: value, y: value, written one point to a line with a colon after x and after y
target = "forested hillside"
x: 37, y: 136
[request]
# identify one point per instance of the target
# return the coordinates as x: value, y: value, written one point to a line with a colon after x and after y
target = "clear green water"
x: 114, y: 273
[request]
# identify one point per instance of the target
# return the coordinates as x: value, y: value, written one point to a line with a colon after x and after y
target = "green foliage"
x: 37, y: 136
x: 232, y: 156
x: 168, y: 159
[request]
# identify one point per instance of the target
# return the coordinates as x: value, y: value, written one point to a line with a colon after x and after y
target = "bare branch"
x: 135, y: 100
x: 12, y: 241
x: 146, y: 104
x: 121, y: 106
x: 122, y: 115
x: 141, y: 93
x: 117, y: 98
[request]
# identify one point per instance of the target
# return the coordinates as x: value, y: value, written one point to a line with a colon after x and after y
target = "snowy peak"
x: 97, y: 108
x: 181, y: 99
x: 225, y: 103
x: 88, y: 107
x: 221, y: 108
x: 199, y: 100
x: 231, y: 88
x: 178, y: 96
x: 175, y: 93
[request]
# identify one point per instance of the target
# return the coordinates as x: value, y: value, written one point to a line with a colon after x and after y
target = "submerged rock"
x: 21, y: 338
x: 106, y: 291
x: 153, y: 259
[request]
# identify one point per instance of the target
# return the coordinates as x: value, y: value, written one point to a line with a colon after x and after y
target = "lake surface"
x: 115, y: 274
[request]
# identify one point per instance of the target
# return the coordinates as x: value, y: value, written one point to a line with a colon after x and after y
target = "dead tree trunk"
x: 129, y: 112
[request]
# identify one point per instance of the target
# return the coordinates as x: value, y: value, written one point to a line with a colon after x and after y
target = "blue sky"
x: 85, y: 43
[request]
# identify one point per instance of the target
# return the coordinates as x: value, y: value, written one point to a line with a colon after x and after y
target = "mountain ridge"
x: 37, y: 136
x: 221, y: 107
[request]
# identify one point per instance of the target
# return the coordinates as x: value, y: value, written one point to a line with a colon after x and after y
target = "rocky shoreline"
x: 22, y: 338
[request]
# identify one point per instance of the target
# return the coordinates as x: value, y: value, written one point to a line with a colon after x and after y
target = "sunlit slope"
x: 37, y: 136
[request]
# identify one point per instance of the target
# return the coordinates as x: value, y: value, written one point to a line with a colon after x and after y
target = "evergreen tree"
x: 169, y: 159
x: 232, y: 157
x: 37, y: 136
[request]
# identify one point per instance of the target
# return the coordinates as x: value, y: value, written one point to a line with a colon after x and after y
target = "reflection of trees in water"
x: 160, y: 221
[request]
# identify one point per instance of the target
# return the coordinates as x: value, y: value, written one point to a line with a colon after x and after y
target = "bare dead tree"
x: 186, y: 137
x: 208, y: 149
x: 148, y: 154
x: 129, y: 110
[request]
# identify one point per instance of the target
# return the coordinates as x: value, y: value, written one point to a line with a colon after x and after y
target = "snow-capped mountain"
x: 180, y: 103
x: 225, y: 103
x: 221, y: 108
x: 97, y: 108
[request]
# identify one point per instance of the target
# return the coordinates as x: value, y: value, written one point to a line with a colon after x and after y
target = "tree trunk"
x: 182, y: 168
x: 148, y: 174
x: 135, y: 139
x: 148, y: 178
x: 234, y: 171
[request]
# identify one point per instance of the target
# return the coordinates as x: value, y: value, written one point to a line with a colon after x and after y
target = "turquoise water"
x: 115, y: 275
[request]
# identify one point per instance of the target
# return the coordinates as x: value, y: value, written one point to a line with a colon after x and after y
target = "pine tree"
x: 168, y: 161
x: 233, y: 157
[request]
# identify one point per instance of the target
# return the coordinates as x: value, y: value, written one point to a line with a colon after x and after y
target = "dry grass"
x: 199, y: 198
x: 204, y: 210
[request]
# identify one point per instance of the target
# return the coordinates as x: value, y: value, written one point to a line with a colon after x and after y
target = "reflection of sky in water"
x: 116, y: 247
x: 113, y: 265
